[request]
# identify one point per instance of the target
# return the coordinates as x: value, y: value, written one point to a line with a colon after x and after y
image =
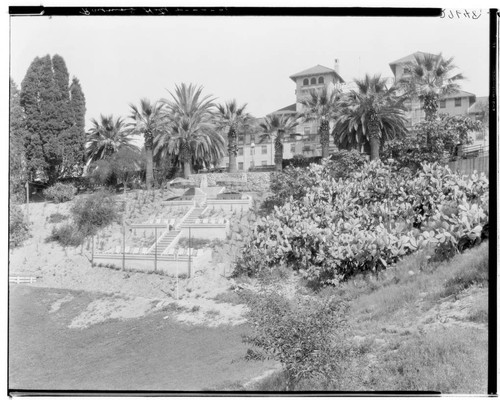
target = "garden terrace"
x: 158, y: 237
x: 182, y: 261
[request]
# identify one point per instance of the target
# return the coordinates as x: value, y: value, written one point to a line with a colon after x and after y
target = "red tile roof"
x: 409, y: 58
x: 459, y: 93
x: 317, y: 70
x: 291, y: 108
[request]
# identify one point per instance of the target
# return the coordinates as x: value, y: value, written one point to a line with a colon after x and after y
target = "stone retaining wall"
x: 241, y: 181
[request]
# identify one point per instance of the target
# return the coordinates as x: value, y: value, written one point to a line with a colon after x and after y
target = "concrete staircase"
x: 168, y: 239
x: 193, y: 216
x: 165, y: 241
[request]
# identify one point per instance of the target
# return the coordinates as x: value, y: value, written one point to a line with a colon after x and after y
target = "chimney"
x: 336, y: 66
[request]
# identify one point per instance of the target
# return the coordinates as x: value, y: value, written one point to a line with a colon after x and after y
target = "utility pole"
x: 123, y: 247
x: 156, y: 247
x: 28, y: 201
x: 189, y: 254
x: 92, y: 262
x: 177, y: 273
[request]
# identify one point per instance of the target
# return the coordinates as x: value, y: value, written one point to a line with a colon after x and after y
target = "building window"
x: 240, y: 151
x: 264, y: 163
x: 406, y: 70
x: 305, y: 82
x: 321, y: 80
x: 313, y: 81
x: 442, y: 104
x: 458, y: 102
x: 292, y: 147
x: 307, y: 130
x: 252, y: 151
x: 240, y: 166
x: 264, y: 149
x: 241, y: 139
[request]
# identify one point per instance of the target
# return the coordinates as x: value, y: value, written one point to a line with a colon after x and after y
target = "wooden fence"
x: 22, y: 279
x: 469, y: 165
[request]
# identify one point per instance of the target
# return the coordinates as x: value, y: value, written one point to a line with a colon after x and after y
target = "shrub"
x: 18, y: 227
x: 336, y: 228
x: 56, y: 218
x: 300, y: 161
x: 431, y: 141
x: 60, y: 192
x: 294, y: 181
x: 66, y: 235
x: 306, y: 336
x: 194, y: 243
x: 81, y: 183
x: 94, y: 212
x: 123, y: 166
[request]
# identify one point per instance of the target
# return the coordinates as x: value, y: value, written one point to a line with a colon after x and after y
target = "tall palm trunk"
x: 374, y: 135
x: 278, y: 151
x: 324, y: 131
x: 149, y: 167
x: 185, y: 158
x: 148, y: 147
x: 186, y: 166
x: 430, y: 106
x: 430, y: 109
x: 232, y: 149
x: 374, y: 146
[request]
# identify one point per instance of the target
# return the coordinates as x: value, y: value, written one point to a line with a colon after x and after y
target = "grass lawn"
x: 148, y: 353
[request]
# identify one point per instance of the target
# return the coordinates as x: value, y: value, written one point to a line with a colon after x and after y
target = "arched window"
x: 321, y: 80
x: 313, y: 81
x: 306, y: 82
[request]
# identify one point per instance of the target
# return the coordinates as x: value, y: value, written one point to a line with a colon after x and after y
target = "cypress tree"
x: 53, y: 143
x: 17, y: 159
x: 75, y: 137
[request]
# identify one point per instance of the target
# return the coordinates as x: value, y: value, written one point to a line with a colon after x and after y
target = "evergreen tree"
x: 17, y: 160
x: 77, y: 105
x: 54, y: 116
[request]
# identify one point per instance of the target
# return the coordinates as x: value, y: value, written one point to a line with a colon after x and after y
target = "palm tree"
x: 106, y: 137
x: 147, y: 120
x: 321, y: 105
x: 277, y: 126
x: 234, y: 120
x: 372, y: 113
x: 189, y: 132
x: 430, y: 78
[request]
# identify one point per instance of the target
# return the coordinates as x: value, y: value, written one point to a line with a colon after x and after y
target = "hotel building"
x: 256, y: 154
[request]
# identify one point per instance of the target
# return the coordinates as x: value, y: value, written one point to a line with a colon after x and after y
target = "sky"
x: 120, y: 60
